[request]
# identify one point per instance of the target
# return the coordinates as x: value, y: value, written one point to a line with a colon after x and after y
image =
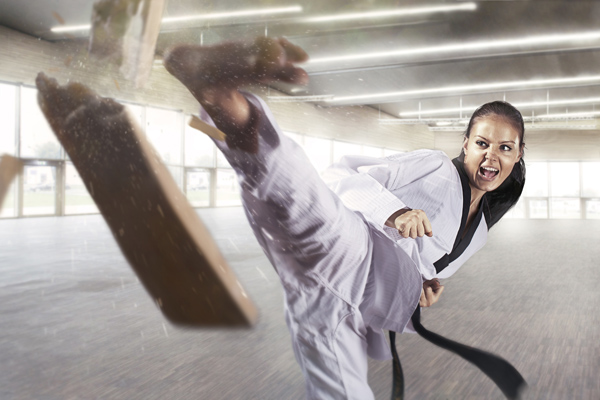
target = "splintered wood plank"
x: 125, y: 32
x: 9, y: 169
x: 157, y: 230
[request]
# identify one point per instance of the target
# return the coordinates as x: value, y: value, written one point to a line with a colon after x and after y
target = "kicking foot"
x: 214, y: 74
x: 232, y: 65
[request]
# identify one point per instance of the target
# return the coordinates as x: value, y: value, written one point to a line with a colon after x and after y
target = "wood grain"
x: 10, y: 167
x: 157, y: 230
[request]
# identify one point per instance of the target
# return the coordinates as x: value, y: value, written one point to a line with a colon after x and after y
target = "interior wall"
x: 568, y: 145
x: 22, y: 57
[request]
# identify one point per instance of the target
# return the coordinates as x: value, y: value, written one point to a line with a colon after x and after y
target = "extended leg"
x: 321, y: 249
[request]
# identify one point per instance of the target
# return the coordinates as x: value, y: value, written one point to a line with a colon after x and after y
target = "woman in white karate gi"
x: 358, y: 256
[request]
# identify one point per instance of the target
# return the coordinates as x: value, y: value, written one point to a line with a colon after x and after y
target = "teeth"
x: 490, y: 169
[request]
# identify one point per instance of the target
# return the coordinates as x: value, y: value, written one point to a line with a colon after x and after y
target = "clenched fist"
x: 410, y: 223
x: 432, y: 290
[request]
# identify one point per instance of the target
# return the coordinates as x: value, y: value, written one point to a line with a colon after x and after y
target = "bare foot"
x: 214, y: 74
x: 232, y: 65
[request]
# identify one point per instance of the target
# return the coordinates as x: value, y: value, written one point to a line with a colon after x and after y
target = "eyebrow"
x: 506, y: 141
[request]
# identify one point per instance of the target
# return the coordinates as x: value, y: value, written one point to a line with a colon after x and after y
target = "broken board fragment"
x: 125, y: 32
x: 203, y: 127
x: 10, y: 167
x: 159, y: 233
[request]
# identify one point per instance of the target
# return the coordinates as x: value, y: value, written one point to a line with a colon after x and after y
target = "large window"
x: 228, y: 193
x: 37, y: 139
x: 318, y: 151
x: 39, y: 190
x: 198, y: 187
x: 50, y: 184
x: 372, y: 151
x: 199, y: 149
x: 9, y: 206
x: 560, y: 190
x: 163, y: 128
x: 592, y: 209
x: 536, y: 182
x: 8, y: 113
x: 590, y: 179
x: 341, y: 149
x: 77, y: 198
x: 564, y: 179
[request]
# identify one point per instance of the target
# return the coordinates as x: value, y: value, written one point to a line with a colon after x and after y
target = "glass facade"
x: 36, y: 138
x: 8, y: 120
x: 39, y: 190
x: 50, y: 184
x: 77, y: 198
x: 560, y: 190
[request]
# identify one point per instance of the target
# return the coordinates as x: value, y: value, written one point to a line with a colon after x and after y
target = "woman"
x: 344, y: 259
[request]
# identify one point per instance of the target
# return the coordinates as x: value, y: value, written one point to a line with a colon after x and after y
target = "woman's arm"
x: 368, y: 184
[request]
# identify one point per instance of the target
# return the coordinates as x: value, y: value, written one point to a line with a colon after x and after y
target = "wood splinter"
x: 125, y: 32
x: 205, y: 128
x: 10, y: 167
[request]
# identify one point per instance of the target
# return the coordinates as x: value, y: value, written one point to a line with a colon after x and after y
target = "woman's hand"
x: 410, y: 223
x: 431, y: 292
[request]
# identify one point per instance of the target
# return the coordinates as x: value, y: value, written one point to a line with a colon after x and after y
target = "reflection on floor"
x: 76, y: 324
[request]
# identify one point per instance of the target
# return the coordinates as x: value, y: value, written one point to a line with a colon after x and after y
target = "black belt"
x: 504, y: 375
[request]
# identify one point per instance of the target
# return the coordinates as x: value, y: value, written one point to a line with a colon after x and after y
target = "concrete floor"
x: 76, y: 323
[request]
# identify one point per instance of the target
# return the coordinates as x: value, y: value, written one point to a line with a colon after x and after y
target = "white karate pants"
x: 322, y: 253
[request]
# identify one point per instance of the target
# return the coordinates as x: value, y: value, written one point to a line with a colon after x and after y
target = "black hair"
x: 503, y: 198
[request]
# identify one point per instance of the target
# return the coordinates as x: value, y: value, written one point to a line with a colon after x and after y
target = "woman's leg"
x: 321, y: 249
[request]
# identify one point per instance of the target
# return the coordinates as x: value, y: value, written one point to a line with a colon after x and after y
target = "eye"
x: 506, y: 147
x: 481, y: 143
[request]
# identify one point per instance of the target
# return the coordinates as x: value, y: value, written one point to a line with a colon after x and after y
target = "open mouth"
x: 488, y: 173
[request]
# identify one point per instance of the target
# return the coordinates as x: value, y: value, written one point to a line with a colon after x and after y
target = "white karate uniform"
x: 345, y: 276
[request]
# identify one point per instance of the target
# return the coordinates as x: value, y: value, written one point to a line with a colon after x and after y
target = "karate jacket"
x: 377, y: 188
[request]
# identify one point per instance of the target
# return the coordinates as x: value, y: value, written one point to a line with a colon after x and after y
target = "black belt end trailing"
x: 500, y: 371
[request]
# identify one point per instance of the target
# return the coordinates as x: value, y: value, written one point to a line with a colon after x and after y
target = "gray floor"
x: 76, y: 323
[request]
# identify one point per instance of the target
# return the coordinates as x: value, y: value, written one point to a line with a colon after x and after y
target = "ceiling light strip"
x: 72, y: 28
x: 559, y: 127
x: 221, y: 15
x: 235, y: 14
x: 392, y: 13
x: 590, y: 100
x: 581, y: 114
x: 462, y: 47
x: 471, y: 88
x: 527, y: 127
x: 299, y: 99
x: 465, y: 121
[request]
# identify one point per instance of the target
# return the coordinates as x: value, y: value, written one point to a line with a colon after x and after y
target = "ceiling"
x: 467, y: 58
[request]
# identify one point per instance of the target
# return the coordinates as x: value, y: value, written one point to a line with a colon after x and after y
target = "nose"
x: 492, y: 153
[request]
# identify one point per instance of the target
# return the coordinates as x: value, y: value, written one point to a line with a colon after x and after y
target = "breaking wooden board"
x: 9, y: 169
x: 125, y: 32
x: 159, y: 233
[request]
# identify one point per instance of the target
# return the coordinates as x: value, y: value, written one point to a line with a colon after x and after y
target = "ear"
x: 521, y: 147
x: 465, y: 144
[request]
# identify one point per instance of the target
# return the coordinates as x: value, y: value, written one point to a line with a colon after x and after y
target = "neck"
x: 476, y: 196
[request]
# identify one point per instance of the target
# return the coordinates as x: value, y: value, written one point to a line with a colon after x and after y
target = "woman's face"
x: 491, y: 151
